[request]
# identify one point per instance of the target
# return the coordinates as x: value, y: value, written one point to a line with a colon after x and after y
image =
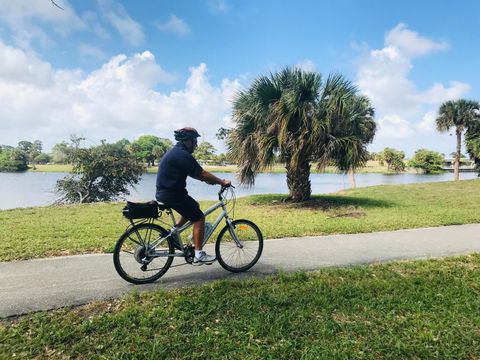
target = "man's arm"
x: 212, y: 179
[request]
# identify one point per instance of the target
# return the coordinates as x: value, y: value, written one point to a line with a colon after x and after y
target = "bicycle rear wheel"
x: 136, y: 260
x: 242, y: 256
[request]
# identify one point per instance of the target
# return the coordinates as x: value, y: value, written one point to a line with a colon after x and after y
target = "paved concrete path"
x: 43, y: 284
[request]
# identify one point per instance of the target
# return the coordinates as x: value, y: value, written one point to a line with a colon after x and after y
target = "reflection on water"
x: 36, y: 189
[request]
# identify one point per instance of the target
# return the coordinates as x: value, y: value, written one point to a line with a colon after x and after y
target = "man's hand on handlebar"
x: 212, y: 179
x: 226, y: 183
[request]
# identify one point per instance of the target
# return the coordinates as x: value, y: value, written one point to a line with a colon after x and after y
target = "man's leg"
x: 181, y: 222
x: 198, y: 233
x: 198, y: 230
x: 201, y: 257
x: 190, y: 209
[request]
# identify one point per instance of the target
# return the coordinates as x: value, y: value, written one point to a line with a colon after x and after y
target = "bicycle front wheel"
x: 239, y: 247
x: 135, y: 258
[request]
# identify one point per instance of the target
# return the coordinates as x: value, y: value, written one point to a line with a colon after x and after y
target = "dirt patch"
x: 331, y: 208
x: 349, y: 212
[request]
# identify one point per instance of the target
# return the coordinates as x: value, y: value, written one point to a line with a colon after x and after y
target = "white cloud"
x: 34, y: 21
x: 18, y: 12
x: 411, y: 43
x: 175, y: 25
x: 439, y: 93
x: 20, y: 67
x: 140, y: 72
x: 101, y: 32
x: 394, y: 127
x: 89, y: 50
x: 218, y: 5
x: 428, y: 122
x: 26, y: 19
x: 402, y: 109
x: 307, y: 65
x: 115, y: 14
x: 93, y: 21
x: 383, y: 77
x: 115, y: 101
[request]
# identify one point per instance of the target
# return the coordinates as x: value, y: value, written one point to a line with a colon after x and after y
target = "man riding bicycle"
x: 173, y: 169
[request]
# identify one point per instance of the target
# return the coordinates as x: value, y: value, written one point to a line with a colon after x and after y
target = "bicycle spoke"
x: 232, y: 254
x: 139, y: 237
x: 239, y: 258
x: 134, y: 248
x: 133, y: 240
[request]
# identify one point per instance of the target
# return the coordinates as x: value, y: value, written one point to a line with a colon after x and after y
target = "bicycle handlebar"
x: 222, y: 189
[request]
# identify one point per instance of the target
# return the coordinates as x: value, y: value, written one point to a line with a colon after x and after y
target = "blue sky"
x: 111, y: 69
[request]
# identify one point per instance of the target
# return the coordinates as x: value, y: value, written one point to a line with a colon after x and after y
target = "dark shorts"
x: 182, y: 203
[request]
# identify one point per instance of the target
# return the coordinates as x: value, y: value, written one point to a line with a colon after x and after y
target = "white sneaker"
x: 204, y: 258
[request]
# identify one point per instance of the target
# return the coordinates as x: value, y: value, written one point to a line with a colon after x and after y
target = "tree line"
x: 147, y: 149
x: 18, y: 158
x: 424, y: 160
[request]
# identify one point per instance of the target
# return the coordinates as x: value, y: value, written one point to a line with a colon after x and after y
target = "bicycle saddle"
x: 162, y: 206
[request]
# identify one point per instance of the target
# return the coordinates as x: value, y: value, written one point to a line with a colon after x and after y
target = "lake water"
x: 36, y: 189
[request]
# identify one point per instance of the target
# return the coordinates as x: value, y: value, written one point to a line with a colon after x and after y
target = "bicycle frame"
x: 188, y: 224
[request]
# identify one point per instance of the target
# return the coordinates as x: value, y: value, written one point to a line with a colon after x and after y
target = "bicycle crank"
x: 189, y: 252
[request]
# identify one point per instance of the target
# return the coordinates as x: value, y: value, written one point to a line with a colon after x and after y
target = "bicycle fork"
x: 231, y: 230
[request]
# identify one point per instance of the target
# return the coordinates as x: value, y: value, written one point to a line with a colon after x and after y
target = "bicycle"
x: 145, y: 251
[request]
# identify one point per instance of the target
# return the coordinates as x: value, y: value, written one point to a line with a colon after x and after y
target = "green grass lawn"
x: 405, y: 310
x: 51, y: 168
x: 76, y: 229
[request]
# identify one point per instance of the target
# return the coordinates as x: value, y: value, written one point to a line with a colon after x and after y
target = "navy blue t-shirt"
x: 174, y: 168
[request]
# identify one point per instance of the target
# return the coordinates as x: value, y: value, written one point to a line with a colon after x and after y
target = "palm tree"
x: 344, y: 146
x: 292, y: 114
x: 456, y: 114
x: 472, y: 139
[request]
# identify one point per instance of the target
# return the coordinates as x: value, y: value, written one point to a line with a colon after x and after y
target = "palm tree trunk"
x: 298, y: 181
x: 456, y: 167
x: 351, y: 178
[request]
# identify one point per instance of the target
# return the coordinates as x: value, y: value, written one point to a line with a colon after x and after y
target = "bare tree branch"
x: 55, y: 4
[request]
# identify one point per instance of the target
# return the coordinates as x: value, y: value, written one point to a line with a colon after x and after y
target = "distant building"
x: 466, y: 165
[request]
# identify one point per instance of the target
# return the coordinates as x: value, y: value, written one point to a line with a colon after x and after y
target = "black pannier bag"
x: 144, y: 210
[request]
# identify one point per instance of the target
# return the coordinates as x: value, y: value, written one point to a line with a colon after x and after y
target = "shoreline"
x: 372, y: 168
